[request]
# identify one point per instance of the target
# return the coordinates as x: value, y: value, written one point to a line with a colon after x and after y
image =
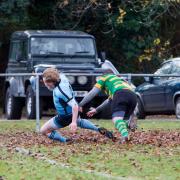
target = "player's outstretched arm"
x: 94, y: 111
x: 91, y: 94
x: 103, y: 105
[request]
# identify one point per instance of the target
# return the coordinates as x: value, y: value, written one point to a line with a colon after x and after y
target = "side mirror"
x: 103, y: 56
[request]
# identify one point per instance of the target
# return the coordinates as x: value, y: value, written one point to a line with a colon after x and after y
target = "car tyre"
x: 140, y: 114
x: 177, y: 108
x: 13, y: 106
x: 31, y: 104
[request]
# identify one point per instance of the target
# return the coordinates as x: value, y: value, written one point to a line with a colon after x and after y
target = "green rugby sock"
x: 126, y: 122
x: 122, y: 128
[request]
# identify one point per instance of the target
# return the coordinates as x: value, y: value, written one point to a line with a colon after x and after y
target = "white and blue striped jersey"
x: 63, y: 96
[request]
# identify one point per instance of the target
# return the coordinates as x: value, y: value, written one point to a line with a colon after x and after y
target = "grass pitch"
x: 154, y: 153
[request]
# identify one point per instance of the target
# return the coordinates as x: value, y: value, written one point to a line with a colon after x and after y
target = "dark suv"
x: 71, y: 52
x: 160, y: 95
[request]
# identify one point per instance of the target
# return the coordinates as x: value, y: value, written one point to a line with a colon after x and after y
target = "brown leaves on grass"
x: 156, y: 138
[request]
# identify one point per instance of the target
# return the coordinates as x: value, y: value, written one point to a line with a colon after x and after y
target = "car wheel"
x: 13, y: 106
x: 140, y: 114
x: 177, y: 108
x: 31, y: 104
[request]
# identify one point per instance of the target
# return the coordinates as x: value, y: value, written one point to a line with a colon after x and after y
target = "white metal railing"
x: 128, y: 75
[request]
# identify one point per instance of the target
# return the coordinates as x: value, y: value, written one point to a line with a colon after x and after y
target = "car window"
x: 67, y: 46
x: 165, y: 69
x: 176, y: 67
x: 14, y: 49
x: 18, y: 48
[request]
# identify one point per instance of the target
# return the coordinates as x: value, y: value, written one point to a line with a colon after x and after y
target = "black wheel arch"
x: 175, y: 97
x: 27, y: 83
x: 140, y: 98
x: 140, y: 114
x: 6, y: 86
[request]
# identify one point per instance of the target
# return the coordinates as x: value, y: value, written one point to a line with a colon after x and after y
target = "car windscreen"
x: 165, y: 69
x: 176, y: 67
x: 62, y: 46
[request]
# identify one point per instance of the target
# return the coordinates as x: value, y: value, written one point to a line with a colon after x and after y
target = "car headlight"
x: 71, y: 79
x: 82, y: 80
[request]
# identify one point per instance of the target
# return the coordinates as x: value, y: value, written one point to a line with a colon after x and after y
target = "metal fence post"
x: 129, y: 78
x: 37, y: 104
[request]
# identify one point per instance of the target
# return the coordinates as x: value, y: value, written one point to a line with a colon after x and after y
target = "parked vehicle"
x: 71, y: 52
x: 160, y: 95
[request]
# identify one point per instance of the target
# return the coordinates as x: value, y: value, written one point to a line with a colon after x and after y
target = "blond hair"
x: 51, y: 75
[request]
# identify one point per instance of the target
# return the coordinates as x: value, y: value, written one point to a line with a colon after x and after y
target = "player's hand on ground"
x: 92, y: 112
x: 73, y: 126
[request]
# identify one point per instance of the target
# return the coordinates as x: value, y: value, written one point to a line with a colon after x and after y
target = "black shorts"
x: 124, y: 100
x: 63, y: 121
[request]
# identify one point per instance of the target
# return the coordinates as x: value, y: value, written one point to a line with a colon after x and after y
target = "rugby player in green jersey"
x: 121, y: 98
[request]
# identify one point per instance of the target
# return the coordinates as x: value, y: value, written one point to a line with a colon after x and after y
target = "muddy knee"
x: 43, y: 131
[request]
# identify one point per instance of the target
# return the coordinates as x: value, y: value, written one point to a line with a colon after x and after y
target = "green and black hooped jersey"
x: 110, y: 83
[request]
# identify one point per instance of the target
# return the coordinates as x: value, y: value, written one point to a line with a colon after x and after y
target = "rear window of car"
x: 165, y: 69
x: 176, y: 67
